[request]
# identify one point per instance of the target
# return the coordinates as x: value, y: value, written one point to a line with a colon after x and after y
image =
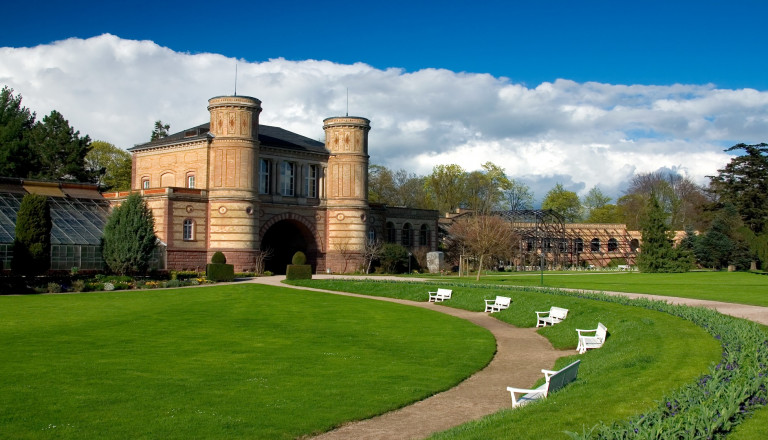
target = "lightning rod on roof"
x: 235, y: 79
x: 347, y: 101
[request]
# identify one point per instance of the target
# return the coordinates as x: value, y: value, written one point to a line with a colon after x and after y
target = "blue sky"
x: 617, y: 42
x: 581, y: 93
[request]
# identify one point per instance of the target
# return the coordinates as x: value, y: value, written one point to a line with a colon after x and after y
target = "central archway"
x: 284, y: 238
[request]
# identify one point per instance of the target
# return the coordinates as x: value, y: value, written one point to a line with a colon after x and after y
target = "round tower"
x: 347, y: 188
x: 233, y: 202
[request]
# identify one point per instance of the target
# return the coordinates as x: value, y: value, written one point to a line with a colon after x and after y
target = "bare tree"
x: 260, y: 260
x: 371, y: 252
x: 344, y: 248
x: 484, y: 236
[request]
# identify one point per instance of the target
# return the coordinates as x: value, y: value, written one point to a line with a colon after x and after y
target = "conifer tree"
x: 129, y: 237
x: 657, y: 253
x: 32, y: 245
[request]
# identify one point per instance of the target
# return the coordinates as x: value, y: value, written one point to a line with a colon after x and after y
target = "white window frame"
x: 191, y: 181
x: 265, y: 176
x: 188, y: 230
x: 310, y: 181
x: 288, y: 179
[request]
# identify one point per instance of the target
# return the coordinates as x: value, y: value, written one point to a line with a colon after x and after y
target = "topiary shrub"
x: 299, y: 258
x: 298, y: 270
x: 219, y: 258
x: 220, y: 272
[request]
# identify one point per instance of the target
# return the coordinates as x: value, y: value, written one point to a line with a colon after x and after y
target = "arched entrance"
x: 285, y: 238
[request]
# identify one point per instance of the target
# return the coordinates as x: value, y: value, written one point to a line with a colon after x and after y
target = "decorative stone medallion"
x: 222, y: 210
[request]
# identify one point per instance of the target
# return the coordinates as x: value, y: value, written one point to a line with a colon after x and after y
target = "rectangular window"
x: 190, y: 181
x: 287, y: 178
x: 265, y: 180
x: 310, y: 180
x: 188, y: 231
x: 145, y: 184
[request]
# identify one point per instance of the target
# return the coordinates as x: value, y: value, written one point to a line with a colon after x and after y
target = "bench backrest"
x: 503, y: 301
x: 601, y: 331
x: 444, y: 292
x: 558, y: 312
x: 563, y: 377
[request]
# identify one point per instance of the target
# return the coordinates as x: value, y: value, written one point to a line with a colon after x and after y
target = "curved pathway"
x: 521, y: 353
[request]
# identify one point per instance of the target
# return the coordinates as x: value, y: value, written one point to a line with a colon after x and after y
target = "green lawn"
x: 238, y: 361
x: 736, y: 287
x: 647, y: 354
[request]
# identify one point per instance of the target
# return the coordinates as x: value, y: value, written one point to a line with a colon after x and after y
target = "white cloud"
x: 581, y: 134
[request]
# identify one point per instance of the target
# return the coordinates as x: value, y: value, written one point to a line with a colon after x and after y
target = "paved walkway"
x: 521, y: 353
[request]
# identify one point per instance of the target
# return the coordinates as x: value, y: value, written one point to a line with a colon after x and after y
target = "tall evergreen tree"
x: 657, y: 254
x: 60, y: 150
x: 32, y: 244
x: 16, y: 122
x: 160, y: 131
x: 744, y: 183
x: 129, y: 237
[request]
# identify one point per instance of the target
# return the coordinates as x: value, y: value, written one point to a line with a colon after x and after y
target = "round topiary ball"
x: 218, y: 258
x: 299, y: 259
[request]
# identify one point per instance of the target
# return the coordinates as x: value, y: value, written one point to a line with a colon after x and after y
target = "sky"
x: 582, y: 93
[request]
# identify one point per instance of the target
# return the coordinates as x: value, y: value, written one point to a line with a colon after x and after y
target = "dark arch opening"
x: 285, y: 238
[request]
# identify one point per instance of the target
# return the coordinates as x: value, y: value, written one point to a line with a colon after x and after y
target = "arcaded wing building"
x: 246, y: 189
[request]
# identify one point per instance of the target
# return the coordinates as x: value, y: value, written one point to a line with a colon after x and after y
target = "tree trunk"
x: 479, y: 268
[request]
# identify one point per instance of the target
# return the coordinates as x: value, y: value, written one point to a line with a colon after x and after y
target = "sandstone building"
x: 236, y: 186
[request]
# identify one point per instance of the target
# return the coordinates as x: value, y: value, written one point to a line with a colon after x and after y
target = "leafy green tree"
x: 608, y: 213
x: 32, y: 244
x: 657, y: 253
x: 564, y: 202
x: 446, y: 187
x: 129, y: 237
x: 518, y: 197
x: 16, y: 122
x: 160, y: 131
x: 112, y: 165
x: 595, y: 199
x: 381, y: 185
x: 59, y: 149
x: 744, y: 183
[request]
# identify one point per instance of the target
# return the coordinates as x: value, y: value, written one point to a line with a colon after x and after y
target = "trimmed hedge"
x: 220, y: 272
x: 298, y: 272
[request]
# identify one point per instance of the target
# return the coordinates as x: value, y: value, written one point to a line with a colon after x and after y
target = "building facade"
x: 261, y: 193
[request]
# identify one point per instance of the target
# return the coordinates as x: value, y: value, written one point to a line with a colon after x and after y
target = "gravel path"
x: 521, y: 353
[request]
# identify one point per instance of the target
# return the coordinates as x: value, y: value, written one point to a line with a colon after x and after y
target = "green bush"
x: 394, y: 258
x: 220, y: 272
x: 54, y: 288
x: 219, y: 258
x: 298, y: 272
x: 299, y: 259
x: 78, y: 286
x: 32, y: 244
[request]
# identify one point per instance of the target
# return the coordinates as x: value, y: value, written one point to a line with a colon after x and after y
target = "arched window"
x: 190, y: 180
x: 579, y: 244
x: 371, y: 235
x: 406, y: 237
x: 424, y: 235
x: 594, y: 245
x: 634, y: 245
x: 390, y: 231
x: 188, y: 230
x: 145, y: 183
x: 613, y: 245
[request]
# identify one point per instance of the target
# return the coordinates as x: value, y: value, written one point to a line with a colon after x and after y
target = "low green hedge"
x: 298, y: 272
x: 220, y: 272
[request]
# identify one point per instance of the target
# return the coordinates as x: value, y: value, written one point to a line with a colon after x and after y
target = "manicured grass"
x: 647, y: 354
x: 238, y: 361
x: 735, y: 287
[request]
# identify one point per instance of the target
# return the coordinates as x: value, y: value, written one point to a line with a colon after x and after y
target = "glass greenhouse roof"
x: 75, y: 221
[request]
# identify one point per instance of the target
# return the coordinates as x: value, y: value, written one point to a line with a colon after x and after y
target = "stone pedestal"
x: 435, y: 262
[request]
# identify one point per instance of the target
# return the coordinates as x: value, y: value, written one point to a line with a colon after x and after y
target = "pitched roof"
x: 269, y: 136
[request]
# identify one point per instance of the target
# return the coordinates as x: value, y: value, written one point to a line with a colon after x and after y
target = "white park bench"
x: 440, y: 295
x: 554, y: 381
x: 596, y: 341
x: 552, y: 317
x: 498, y: 304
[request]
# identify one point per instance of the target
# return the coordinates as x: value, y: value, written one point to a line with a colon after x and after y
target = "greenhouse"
x: 78, y: 215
